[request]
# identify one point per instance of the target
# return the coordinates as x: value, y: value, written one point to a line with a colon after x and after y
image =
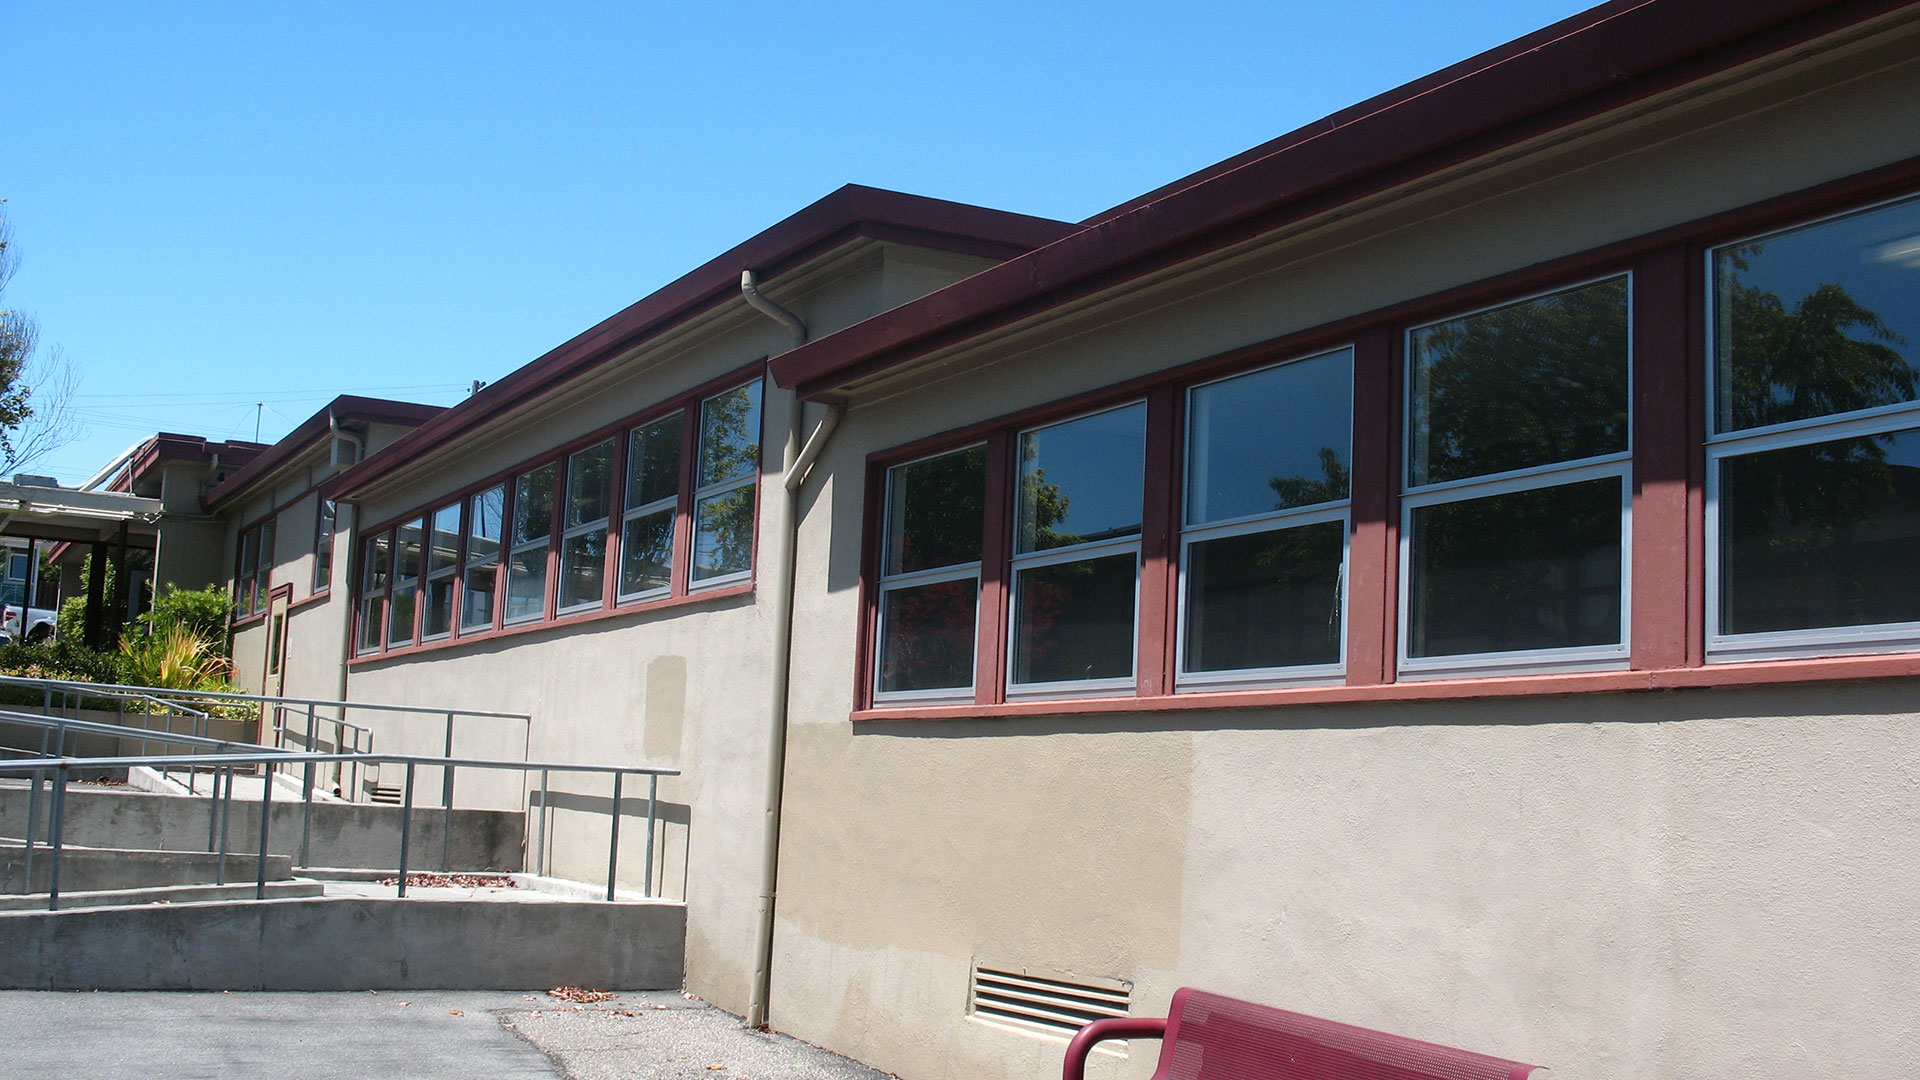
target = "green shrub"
x: 73, y: 609
x: 204, y: 612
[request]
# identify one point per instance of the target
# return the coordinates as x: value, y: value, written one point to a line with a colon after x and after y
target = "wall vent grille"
x: 1046, y: 1003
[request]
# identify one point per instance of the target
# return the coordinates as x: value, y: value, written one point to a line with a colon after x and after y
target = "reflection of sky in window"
x: 1902, y: 447
x: 1099, y: 463
x: 1246, y: 431
x: 1875, y: 256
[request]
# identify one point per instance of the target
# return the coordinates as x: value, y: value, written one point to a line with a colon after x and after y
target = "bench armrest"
x: 1125, y: 1027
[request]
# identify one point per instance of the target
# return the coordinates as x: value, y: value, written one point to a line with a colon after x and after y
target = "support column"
x: 96, y: 587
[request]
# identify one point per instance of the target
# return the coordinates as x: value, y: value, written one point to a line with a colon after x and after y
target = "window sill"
x: 561, y: 623
x: 1726, y: 676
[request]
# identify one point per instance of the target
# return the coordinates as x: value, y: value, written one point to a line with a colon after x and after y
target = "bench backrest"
x: 1210, y: 1037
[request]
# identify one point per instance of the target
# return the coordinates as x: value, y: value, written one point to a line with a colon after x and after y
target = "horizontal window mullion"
x: 1077, y: 552
x: 931, y: 577
x: 1280, y: 519
x: 1521, y: 479
x: 1824, y: 429
x: 708, y: 492
x: 589, y: 527
x: 671, y: 502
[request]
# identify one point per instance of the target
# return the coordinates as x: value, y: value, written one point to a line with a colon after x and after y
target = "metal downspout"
x: 793, y: 457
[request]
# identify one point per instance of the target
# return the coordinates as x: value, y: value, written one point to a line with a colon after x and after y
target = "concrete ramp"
x: 348, y: 943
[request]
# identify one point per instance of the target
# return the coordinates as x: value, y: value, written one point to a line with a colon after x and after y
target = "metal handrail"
x: 40, y: 768
x: 226, y: 695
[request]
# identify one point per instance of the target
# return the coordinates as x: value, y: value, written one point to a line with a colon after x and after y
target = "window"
x: 1076, y: 552
x: 1516, y: 505
x: 1264, y: 545
x: 485, y: 513
x: 254, y: 574
x: 527, y: 555
x: 723, y: 501
x: 324, y: 523
x: 1813, y: 456
x: 443, y: 559
x: 663, y: 503
x: 651, y: 504
x: 406, y: 583
x: 375, y: 574
x: 930, y: 576
x: 583, y: 541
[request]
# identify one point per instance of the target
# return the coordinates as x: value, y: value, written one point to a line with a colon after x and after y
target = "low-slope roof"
x: 310, y: 431
x: 1579, y: 67
x: 850, y: 213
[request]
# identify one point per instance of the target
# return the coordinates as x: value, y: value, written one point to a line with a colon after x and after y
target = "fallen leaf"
x: 455, y: 1012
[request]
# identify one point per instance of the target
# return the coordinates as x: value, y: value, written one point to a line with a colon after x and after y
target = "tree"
x: 36, y: 388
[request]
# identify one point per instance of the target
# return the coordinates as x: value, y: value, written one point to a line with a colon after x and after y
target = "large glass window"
x: 485, y: 514
x: 406, y: 582
x: 527, y: 555
x: 443, y: 561
x: 652, y: 503
x: 583, y: 539
x: 1814, y: 459
x: 1264, y: 545
x: 1076, y: 552
x: 930, y: 576
x: 1516, y: 503
x: 375, y: 574
x: 324, y: 523
x: 726, y: 479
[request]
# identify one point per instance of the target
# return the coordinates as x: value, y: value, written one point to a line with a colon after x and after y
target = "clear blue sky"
x: 218, y: 204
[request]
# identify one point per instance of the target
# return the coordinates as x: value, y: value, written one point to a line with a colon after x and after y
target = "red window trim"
x: 680, y: 590
x: 1665, y: 634
x: 244, y: 591
x: 320, y: 587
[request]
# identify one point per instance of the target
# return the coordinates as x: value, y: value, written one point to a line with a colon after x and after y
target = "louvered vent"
x: 1047, y: 1003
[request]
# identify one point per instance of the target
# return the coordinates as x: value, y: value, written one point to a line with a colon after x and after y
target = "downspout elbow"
x: 750, y: 291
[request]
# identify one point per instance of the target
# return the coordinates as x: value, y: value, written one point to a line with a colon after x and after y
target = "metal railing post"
x: 613, y: 844
x: 213, y: 809
x: 306, y: 812
x: 406, y: 827
x: 540, y: 849
x: 653, y: 794
x: 266, y: 810
x: 57, y: 829
x: 226, y: 812
x: 46, y: 701
x: 446, y: 825
x: 33, y: 819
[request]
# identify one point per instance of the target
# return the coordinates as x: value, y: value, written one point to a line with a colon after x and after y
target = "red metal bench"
x: 1210, y: 1037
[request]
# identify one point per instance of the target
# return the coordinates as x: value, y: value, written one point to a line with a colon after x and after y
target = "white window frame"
x: 724, y: 487
x: 1268, y: 521
x: 469, y: 563
x: 413, y: 583
x: 1017, y: 562
x: 669, y: 503
x: 1559, y: 474
x: 1723, y: 647
x: 428, y: 575
x: 567, y: 533
x: 887, y: 583
x: 510, y: 548
x: 369, y: 598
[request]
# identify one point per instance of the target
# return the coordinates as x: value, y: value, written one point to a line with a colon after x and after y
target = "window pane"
x: 527, y: 584
x: 370, y: 620
x: 323, y: 544
x: 730, y: 435
x: 583, y: 568
x: 934, y: 511
x: 438, y: 617
x: 1270, y: 440
x: 1080, y: 481
x: 533, y: 505
x: 267, y: 550
x: 723, y: 534
x: 590, y: 484
x: 1534, y: 383
x: 476, y: 597
x: 1265, y: 600
x: 1536, y: 569
x: 1074, y: 621
x: 249, y: 553
x: 927, y: 636
x: 483, y: 523
x: 373, y: 564
x: 653, y: 461
x: 406, y: 558
x: 444, y: 551
x: 1819, y: 320
x: 400, y: 617
x: 1823, y: 535
x: 646, y: 553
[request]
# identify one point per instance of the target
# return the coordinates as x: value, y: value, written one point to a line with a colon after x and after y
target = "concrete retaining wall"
x: 98, y: 869
x: 341, y: 835
x: 347, y: 944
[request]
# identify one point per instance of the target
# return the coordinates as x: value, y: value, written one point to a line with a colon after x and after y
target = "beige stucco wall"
x: 689, y: 687
x: 1703, y: 883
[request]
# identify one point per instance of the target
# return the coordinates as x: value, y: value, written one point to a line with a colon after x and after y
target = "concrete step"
x: 175, y: 894
x: 98, y: 869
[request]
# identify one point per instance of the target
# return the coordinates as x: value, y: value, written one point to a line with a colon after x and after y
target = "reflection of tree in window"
x: 1334, y: 483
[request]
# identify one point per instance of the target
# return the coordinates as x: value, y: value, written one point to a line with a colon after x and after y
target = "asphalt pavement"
x: 393, y: 1035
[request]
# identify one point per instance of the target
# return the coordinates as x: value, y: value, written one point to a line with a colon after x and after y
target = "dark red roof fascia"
x: 170, y: 446
x: 852, y: 212
x: 1599, y: 59
x: 311, y: 431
